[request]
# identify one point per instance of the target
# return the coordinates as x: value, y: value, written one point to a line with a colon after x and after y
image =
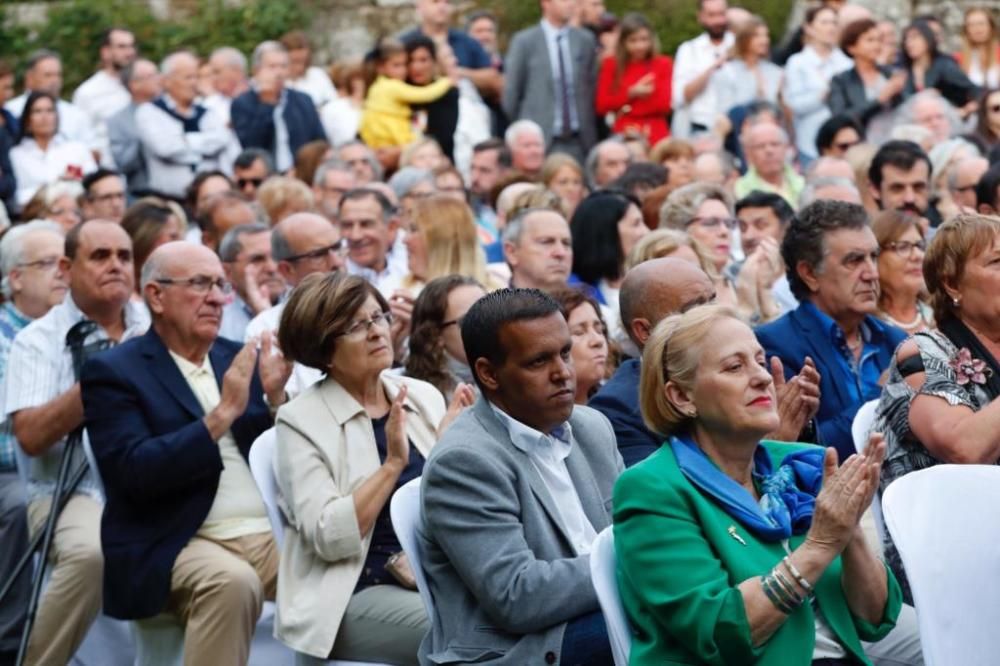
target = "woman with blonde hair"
x: 901, y: 271
x: 563, y: 175
x: 442, y: 239
x: 670, y: 243
x: 979, y: 57
x: 281, y: 196
x: 731, y: 547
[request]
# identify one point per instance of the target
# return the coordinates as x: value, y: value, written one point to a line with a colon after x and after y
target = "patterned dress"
x: 904, y: 452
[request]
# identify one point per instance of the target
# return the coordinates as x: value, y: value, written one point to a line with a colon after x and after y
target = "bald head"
x: 306, y: 243
x: 658, y: 288
x: 831, y: 167
x: 171, y: 259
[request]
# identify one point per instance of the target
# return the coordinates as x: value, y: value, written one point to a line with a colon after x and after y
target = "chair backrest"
x: 602, y: 575
x: 262, y: 469
x: 404, y: 509
x: 861, y: 428
x: 943, y: 522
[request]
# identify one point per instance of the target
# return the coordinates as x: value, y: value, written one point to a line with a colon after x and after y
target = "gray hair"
x: 369, y: 156
x: 515, y: 226
x: 152, y: 270
x: 905, y: 113
x: 942, y: 153
x: 168, y: 64
x: 404, y: 180
x: 333, y: 164
x: 262, y: 49
x: 232, y: 243
x: 918, y: 134
x: 128, y: 72
x: 727, y: 166
x: 38, y: 56
x: 683, y: 203
x: 953, y: 171
x: 808, y: 195
x: 60, y: 189
x: 525, y: 125
x: 594, y: 156
x: 12, y: 247
x: 232, y: 57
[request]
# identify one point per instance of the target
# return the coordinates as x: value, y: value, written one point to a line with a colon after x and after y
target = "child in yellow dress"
x: 386, y: 119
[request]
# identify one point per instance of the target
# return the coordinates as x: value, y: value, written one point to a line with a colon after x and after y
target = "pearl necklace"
x: 917, y: 321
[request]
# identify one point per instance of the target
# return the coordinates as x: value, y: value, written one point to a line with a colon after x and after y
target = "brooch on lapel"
x: 732, y: 533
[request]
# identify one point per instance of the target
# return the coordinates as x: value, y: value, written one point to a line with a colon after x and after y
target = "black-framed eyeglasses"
x: 200, y: 284
x: 365, y: 325
x: 243, y: 182
x: 46, y: 264
x: 339, y: 248
x: 906, y: 248
x: 714, y: 222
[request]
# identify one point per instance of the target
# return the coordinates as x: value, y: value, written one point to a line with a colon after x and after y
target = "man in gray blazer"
x: 549, y: 75
x: 513, y: 496
x: 142, y: 78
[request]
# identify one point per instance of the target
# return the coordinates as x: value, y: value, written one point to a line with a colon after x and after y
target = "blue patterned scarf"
x: 788, y: 494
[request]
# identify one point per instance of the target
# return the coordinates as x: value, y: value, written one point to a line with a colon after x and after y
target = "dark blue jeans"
x: 585, y: 642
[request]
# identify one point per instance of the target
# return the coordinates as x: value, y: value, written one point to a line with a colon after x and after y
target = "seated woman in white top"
x: 749, y: 76
x: 42, y: 155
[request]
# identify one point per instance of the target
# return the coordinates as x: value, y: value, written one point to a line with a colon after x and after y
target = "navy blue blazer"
x: 618, y: 400
x: 799, y: 334
x: 253, y: 121
x: 159, y: 464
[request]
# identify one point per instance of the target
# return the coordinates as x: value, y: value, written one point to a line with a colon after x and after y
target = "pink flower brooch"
x: 968, y: 369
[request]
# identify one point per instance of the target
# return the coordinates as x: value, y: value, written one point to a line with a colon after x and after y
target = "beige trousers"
x: 72, y: 598
x: 217, y: 590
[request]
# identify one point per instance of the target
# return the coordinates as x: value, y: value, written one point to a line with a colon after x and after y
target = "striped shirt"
x: 12, y: 321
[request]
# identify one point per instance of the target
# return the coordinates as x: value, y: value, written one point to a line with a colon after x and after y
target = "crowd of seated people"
x: 580, y: 284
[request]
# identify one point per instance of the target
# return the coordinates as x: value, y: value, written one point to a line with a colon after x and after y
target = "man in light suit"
x: 549, y: 78
x: 513, y: 496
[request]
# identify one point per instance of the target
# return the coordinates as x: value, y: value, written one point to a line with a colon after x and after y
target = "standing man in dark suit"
x: 513, y: 496
x: 549, y: 78
x: 271, y: 115
x: 832, y: 259
x: 172, y: 415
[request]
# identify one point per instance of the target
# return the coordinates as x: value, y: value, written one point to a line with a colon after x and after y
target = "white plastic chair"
x: 404, y: 509
x: 943, y: 522
x: 262, y: 468
x: 861, y: 428
x: 602, y: 575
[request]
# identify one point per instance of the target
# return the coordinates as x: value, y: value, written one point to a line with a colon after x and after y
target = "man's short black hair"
x: 986, y: 188
x: 388, y: 210
x: 828, y: 131
x: 248, y: 156
x: 96, y: 176
x: 805, y: 237
x: 482, y: 323
x: 637, y: 175
x: 776, y: 202
x: 900, y: 154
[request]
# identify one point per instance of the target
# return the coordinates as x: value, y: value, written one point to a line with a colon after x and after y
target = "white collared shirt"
x: 34, y: 167
x: 101, y: 96
x: 397, y: 267
x: 693, y: 58
x: 548, y: 454
x: 40, y: 368
x: 554, y: 43
x: 74, y: 124
x: 316, y: 84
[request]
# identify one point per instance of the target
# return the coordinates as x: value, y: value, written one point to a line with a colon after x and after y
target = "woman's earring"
x: 955, y: 302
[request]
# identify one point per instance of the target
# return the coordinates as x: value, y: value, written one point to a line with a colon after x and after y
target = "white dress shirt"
x: 555, y: 39
x: 74, y: 124
x: 807, y: 83
x: 397, y: 267
x: 693, y: 58
x: 302, y: 376
x: 40, y: 368
x: 34, y: 167
x: 548, y: 454
x: 101, y: 96
x: 316, y: 84
x: 174, y: 156
x: 340, y: 120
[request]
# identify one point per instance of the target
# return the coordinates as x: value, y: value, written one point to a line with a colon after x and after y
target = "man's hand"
x: 798, y: 399
x: 258, y: 296
x: 463, y: 397
x: 274, y: 370
x: 401, y: 306
x: 235, y: 392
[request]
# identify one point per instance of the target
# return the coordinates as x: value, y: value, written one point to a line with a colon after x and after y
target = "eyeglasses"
x: 339, y: 249
x: 200, y: 284
x: 714, y: 222
x: 453, y: 322
x: 906, y: 248
x: 46, y: 264
x: 362, y: 327
x: 243, y: 182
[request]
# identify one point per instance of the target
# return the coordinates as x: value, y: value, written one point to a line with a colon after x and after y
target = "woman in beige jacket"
x: 343, y: 448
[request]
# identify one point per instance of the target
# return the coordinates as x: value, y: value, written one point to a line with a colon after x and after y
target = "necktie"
x: 564, y: 87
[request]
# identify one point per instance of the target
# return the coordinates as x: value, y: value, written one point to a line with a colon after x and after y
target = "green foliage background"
x: 74, y: 28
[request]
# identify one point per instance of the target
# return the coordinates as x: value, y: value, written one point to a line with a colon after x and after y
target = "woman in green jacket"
x: 733, y: 549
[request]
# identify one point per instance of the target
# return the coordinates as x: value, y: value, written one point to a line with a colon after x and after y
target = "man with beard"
x: 832, y: 259
x: 697, y: 59
x: 900, y: 179
x: 103, y: 94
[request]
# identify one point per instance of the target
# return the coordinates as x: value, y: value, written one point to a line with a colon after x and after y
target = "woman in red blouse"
x: 634, y: 83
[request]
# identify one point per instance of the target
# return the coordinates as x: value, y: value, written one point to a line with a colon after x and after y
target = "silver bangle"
x: 799, y: 578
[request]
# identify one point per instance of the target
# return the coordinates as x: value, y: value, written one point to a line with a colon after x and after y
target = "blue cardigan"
x: 253, y: 121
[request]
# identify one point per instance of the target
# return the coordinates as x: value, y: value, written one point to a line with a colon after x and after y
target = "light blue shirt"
x: 548, y: 454
x: 555, y: 39
x: 807, y: 83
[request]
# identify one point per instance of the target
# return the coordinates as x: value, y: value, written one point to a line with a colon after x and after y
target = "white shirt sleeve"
x: 685, y: 70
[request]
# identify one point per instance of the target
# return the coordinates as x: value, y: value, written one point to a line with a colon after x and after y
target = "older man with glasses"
x: 172, y: 415
x: 250, y: 267
x: 766, y: 148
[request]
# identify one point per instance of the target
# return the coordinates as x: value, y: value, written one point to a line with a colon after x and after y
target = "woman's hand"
x: 463, y: 397
x: 397, y: 443
x: 893, y: 86
x: 643, y: 87
x: 845, y: 495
